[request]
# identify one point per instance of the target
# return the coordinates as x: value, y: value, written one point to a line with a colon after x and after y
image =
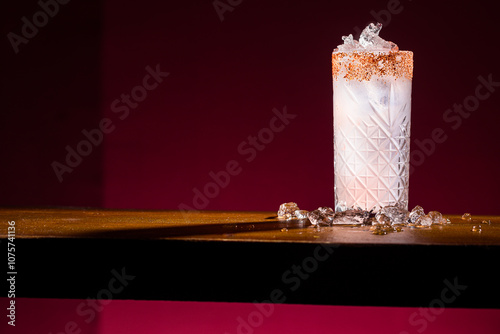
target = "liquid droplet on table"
x: 467, y: 217
x: 476, y: 228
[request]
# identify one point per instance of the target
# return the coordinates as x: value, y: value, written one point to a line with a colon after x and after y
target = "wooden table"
x: 251, y: 256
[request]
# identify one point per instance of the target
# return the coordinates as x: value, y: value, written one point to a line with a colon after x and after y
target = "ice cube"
x: 326, y: 210
x: 348, y: 40
x: 287, y: 210
x: 437, y: 217
x: 382, y: 219
x: 369, y: 33
x: 316, y: 217
x: 353, y: 216
x: 350, y: 44
x: 416, y: 213
x: 396, y: 213
x: 368, y: 41
x: 424, y: 220
x: 301, y: 214
x: 467, y: 217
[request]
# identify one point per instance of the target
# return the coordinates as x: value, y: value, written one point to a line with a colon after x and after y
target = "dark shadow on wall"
x: 50, y: 93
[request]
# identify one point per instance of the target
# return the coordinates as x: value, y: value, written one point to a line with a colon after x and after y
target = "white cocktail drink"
x: 372, y: 103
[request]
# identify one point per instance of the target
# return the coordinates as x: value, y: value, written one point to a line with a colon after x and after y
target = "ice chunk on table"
x: 353, y: 216
x: 396, y: 213
x: 437, y: 218
x: 416, y: 213
x: 287, y: 210
x: 424, y: 220
x: 301, y: 214
x: 317, y: 217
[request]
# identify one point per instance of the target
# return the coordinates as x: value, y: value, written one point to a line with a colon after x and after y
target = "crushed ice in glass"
x: 369, y: 40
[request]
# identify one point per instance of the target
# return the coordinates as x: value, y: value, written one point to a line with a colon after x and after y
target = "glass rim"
x: 362, y: 66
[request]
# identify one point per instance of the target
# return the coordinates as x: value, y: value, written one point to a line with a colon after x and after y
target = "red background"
x: 225, y: 79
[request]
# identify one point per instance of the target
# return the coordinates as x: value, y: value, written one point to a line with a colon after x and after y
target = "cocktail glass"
x: 371, y: 103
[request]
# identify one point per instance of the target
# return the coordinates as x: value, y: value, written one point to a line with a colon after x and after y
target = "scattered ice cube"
x: 436, y: 217
x: 382, y: 224
x: 353, y: 216
x: 301, y: 214
x: 391, y: 218
x: 416, y: 213
x: 424, y: 220
x: 318, y: 218
x: 287, y: 210
x: 326, y: 210
x: 397, y: 214
x: 381, y: 219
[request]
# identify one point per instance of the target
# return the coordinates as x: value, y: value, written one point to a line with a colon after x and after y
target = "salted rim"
x: 362, y: 65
